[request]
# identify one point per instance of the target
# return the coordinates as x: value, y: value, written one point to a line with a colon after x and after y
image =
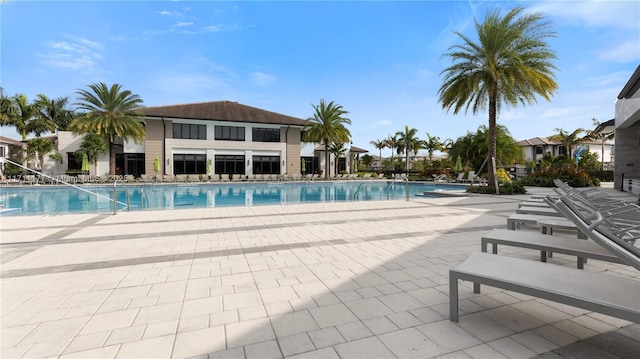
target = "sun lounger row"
x: 611, y: 237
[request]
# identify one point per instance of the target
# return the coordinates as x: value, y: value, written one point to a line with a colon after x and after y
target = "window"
x: 539, y: 150
x: 229, y: 133
x: 1, y: 151
x: 189, y: 131
x: 266, y: 135
x: 74, y: 162
x: 189, y: 164
x: 266, y: 164
x: 231, y: 164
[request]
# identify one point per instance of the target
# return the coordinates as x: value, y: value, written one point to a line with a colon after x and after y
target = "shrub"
x: 572, y: 176
x: 506, y: 188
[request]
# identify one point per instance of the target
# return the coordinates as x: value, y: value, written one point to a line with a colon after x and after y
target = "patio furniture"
x: 515, y: 220
x: 547, y: 226
x: 538, y: 211
x: 546, y: 243
x: 596, y: 292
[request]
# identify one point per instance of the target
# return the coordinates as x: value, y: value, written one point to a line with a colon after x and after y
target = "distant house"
x: 9, y: 148
x: 627, y: 136
x: 535, y: 148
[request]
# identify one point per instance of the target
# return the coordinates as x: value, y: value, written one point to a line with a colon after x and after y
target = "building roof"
x: 221, y: 111
x: 632, y: 86
x: 355, y: 149
x: 10, y: 141
x: 541, y: 141
x: 606, y: 127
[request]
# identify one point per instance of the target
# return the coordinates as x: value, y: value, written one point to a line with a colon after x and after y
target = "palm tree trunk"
x: 492, y: 178
x: 112, y: 158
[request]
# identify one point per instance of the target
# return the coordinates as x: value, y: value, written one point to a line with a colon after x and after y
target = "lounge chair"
x: 596, y: 292
x: 440, y: 178
x: 547, y: 244
x: 538, y: 211
x: 592, y: 291
x: 224, y: 177
x: 459, y: 178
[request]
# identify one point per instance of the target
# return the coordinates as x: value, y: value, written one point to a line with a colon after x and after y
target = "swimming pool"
x: 60, y: 200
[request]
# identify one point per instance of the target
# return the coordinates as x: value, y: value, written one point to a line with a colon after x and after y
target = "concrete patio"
x: 332, y: 280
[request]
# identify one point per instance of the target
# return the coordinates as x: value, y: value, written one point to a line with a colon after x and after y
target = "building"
x: 536, y: 148
x: 9, y: 148
x: 221, y: 137
x: 627, y: 136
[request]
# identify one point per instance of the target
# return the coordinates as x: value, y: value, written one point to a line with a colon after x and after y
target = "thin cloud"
x: 262, y: 79
x: 76, y: 54
x: 616, y: 14
x: 626, y: 51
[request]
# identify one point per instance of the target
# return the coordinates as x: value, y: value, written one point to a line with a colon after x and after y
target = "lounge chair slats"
x: 544, y: 243
x: 596, y: 292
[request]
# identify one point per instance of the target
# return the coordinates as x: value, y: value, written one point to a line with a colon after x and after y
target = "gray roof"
x: 632, y: 86
x: 221, y: 111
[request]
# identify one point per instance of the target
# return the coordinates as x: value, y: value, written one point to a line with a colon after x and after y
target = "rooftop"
x: 221, y: 111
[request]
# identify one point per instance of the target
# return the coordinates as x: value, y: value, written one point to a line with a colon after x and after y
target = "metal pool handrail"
x: 66, y: 183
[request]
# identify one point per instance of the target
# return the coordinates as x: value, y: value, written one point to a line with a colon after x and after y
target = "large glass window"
x: 266, y: 134
x: 231, y: 164
x: 189, y: 131
x: 189, y: 164
x: 229, y: 133
x: 74, y: 162
x: 266, y: 164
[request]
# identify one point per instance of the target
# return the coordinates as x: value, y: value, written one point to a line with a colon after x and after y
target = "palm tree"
x: 40, y: 148
x: 432, y: 144
x: 52, y: 114
x: 92, y: 145
x: 408, y: 142
x: 509, y: 65
x: 603, y: 137
x: 391, y: 142
x: 327, y: 126
x: 110, y: 112
x: 568, y: 139
x: 338, y: 150
x: 379, y: 145
x: 19, y: 113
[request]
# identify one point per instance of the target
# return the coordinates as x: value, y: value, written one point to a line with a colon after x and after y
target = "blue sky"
x: 380, y: 60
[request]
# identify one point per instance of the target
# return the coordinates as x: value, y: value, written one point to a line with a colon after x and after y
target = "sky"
x: 381, y: 60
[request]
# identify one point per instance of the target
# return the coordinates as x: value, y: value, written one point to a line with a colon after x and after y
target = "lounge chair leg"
x: 543, y: 256
x: 495, y: 248
x: 581, y: 261
x: 453, y: 298
x: 476, y: 287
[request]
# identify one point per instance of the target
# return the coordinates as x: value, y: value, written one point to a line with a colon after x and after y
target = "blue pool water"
x: 61, y: 200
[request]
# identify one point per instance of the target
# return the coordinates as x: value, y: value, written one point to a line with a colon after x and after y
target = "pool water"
x: 60, y: 200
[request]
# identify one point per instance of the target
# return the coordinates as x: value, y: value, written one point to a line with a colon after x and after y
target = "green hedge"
x: 506, y: 188
x: 573, y: 177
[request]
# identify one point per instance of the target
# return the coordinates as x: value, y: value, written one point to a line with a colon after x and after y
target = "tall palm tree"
x: 19, y: 113
x: 408, y: 142
x: 327, y: 126
x: 379, y: 145
x: 509, y: 65
x: 432, y: 144
x: 603, y: 137
x: 52, y: 114
x: 110, y: 112
x: 568, y: 139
